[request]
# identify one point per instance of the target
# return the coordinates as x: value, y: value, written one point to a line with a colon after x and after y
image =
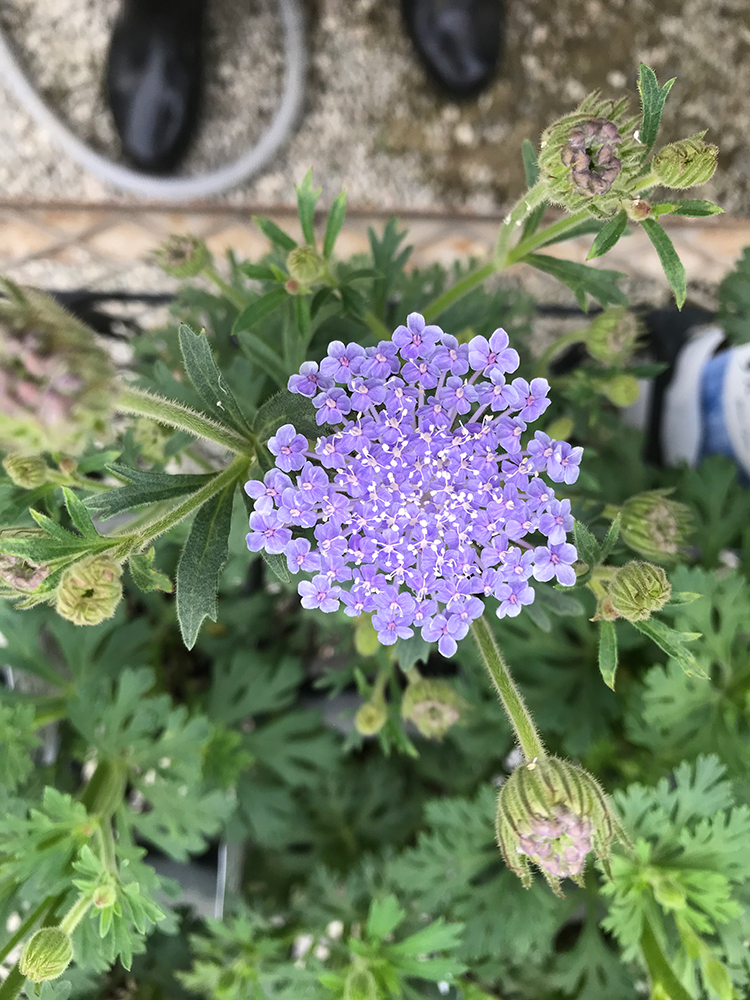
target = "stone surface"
x: 373, y: 124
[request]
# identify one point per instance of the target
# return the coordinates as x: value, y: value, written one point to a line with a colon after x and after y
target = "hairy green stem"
x: 510, y: 696
x: 659, y: 968
x: 377, y: 326
x: 457, y: 291
x: 167, y: 411
x: 220, y: 481
x: 235, y: 297
x: 515, y: 219
x: 13, y: 984
x: 544, y: 236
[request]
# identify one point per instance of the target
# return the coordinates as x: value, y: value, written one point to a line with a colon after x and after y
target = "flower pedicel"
x: 423, y: 500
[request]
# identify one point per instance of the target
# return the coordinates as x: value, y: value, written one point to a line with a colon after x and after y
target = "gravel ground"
x: 372, y: 123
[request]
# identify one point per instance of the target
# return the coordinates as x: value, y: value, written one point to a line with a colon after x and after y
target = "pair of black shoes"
x: 154, y: 72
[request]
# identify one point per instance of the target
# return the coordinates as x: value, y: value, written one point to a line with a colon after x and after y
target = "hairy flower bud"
x: 55, y: 381
x: 371, y: 717
x: 360, y: 984
x: 183, y: 256
x: 27, y: 471
x: 638, y: 589
x: 622, y: 390
x: 305, y: 265
x: 686, y: 163
x: 22, y: 575
x: 589, y: 159
x: 90, y: 590
x: 433, y: 707
x: 46, y: 955
x: 638, y: 209
x: 613, y: 336
x: 655, y: 526
x: 552, y: 814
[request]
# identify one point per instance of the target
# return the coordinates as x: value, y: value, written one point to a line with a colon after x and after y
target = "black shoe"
x: 154, y: 76
x: 459, y: 41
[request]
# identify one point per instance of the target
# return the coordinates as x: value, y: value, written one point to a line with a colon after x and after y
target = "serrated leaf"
x: 674, y: 269
x: 307, y: 199
x: 202, y: 559
x: 582, y: 280
x: 384, y: 917
x: 609, y: 235
x: 145, y: 488
x: 266, y: 359
x: 277, y: 236
x: 258, y: 309
x: 335, y: 221
x: 653, y: 98
x: 587, y: 546
x: 673, y: 644
x: 244, y: 686
x: 145, y: 576
x: 208, y: 381
x: 286, y: 408
x: 608, y: 653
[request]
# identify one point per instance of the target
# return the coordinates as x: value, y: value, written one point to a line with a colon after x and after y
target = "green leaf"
x: 79, y: 515
x: 145, y: 488
x: 559, y: 603
x: 307, y: 199
x: 384, y: 917
x: 608, y: 653
x: 611, y: 537
x: 201, y: 562
x: 243, y: 687
x: 438, y: 936
x: 258, y: 309
x: 587, y: 546
x: 653, y: 98
x: 277, y: 564
x: 303, y: 328
x: 599, y: 283
x: 18, y: 739
x: 408, y: 652
x: 208, y: 381
x: 258, y: 272
x: 333, y: 225
x: 286, y: 408
x: 682, y: 597
x: 693, y: 208
x: 530, y: 165
x: 145, y: 576
x: 673, y: 267
x: 673, y: 644
x: 277, y: 236
x: 609, y: 235
x: 264, y: 357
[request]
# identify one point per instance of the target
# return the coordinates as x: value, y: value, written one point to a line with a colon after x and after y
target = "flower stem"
x: 377, y: 326
x: 544, y: 236
x: 457, y: 291
x: 514, y: 220
x: 167, y: 411
x: 510, y: 696
x: 659, y: 968
x: 235, y: 297
x: 13, y: 984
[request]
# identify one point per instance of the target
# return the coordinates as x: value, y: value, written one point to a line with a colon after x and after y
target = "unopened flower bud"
x: 613, y: 336
x: 589, y: 158
x: 552, y: 814
x: 371, y: 717
x: 305, y: 265
x: 637, y: 209
x: 686, y: 163
x: 638, y: 589
x: 55, y: 381
x: 105, y: 896
x: 433, y: 707
x: 21, y: 574
x: 366, y: 640
x: 622, y: 390
x: 90, y: 590
x: 27, y: 471
x: 183, y: 256
x: 46, y: 955
x: 655, y: 526
x: 360, y: 984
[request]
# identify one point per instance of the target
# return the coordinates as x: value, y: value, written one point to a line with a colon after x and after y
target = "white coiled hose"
x: 176, y: 188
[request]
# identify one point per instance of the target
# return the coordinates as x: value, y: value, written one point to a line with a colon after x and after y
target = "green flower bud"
x: 589, y: 159
x: 655, y: 526
x: 360, y: 984
x: 365, y: 637
x: 89, y: 591
x: 183, y: 256
x: 105, y: 896
x: 686, y: 163
x: 613, y: 336
x: 638, y: 589
x: 27, y: 471
x: 622, y: 390
x: 433, y: 707
x: 56, y: 387
x: 46, y: 955
x: 560, y: 429
x: 305, y: 265
x: 371, y: 717
x: 552, y: 814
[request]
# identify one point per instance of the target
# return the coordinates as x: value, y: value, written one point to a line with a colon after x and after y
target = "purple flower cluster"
x: 424, y: 500
x: 559, y: 843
